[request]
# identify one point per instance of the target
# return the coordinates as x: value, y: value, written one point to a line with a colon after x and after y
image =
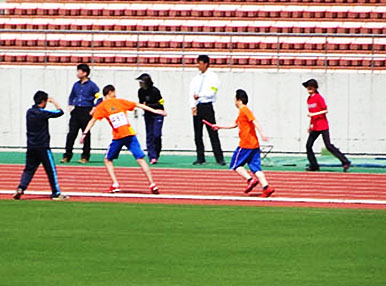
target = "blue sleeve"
x: 51, y: 113
x: 72, y: 96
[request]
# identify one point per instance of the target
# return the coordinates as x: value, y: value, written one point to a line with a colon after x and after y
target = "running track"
x: 183, y: 186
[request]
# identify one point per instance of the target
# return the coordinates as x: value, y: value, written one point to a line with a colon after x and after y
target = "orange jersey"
x: 114, y: 110
x: 247, y: 131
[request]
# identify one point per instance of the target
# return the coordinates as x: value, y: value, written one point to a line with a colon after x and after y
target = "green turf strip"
x: 272, y: 163
x: 72, y: 243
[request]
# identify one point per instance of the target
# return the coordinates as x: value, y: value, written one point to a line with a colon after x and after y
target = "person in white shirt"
x: 203, y: 90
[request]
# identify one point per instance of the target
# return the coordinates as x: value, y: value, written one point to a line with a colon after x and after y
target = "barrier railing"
x: 230, y: 52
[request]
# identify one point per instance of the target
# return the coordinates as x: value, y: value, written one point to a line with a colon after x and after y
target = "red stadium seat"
x: 266, y: 62
x: 131, y: 60
x: 120, y: 60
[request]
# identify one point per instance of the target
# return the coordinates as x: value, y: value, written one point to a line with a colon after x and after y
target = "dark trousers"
x: 80, y: 117
x: 34, y: 157
x: 330, y: 147
x: 154, y: 124
x: 206, y: 111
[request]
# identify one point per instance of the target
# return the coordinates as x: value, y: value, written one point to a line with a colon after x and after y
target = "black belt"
x: 206, y: 103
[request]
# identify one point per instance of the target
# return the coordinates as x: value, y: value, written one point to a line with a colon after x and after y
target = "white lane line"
x: 204, y: 198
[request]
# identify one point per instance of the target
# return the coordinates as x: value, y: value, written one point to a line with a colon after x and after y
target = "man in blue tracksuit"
x: 81, y: 103
x: 38, y: 145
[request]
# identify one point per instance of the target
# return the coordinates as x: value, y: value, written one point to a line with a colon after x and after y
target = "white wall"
x: 356, y: 101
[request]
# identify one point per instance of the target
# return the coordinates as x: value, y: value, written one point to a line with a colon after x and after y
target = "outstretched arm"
x: 90, y: 124
x: 230, y: 126
x: 317, y: 113
x: 260, y: 130
x: 155, y: 111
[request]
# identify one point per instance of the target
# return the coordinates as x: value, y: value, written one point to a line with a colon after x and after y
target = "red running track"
x: 289, y: 186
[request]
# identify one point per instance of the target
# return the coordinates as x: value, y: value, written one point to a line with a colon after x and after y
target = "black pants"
x: 326, y: 138
x: 34, y: 157
x: 80, y: 117
x: 206, y: 111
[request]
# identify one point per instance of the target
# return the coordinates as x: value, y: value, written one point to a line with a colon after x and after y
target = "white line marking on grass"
x: 203, y: 198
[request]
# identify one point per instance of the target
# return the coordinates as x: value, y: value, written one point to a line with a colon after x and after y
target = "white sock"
x: 263, y: 181
x: 115, y: 185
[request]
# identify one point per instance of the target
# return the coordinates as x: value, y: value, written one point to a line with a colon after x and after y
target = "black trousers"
x: 80, y: 117
x: 206, y: 111
x: 34, y: 157
x: 330, y: 147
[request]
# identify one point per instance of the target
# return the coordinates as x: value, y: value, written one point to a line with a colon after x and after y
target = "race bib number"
x: 118, y: 119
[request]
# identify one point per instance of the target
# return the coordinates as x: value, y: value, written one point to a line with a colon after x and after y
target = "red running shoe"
x: 251, y: 184
x: 154, y: 189
x: 267, y: 192
x: 114, y: 189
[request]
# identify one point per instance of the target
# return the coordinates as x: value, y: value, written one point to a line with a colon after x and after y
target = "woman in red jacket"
x: 317, y: 110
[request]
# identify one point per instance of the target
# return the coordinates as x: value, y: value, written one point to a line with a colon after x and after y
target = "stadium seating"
x: 308, y: 2
x: 268, y: 12
x: 177, y: 61
x: 116, y: 25
x: 193, y: 25
x: 194, y: 43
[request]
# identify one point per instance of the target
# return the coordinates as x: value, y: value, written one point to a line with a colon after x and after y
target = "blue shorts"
x: 243, y: 156
x: 131, y: 142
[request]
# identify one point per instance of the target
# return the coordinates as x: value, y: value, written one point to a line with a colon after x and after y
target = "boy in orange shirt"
x: 248, y: 151
x: 114, y: 110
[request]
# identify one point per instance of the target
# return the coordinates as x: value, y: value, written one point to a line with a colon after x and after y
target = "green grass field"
x: 73, y: 243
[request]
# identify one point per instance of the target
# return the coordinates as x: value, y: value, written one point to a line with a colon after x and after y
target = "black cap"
x: 144, y: 77
x: 310, y: 83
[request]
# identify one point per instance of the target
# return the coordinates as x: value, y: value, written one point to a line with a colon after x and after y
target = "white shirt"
x: 205, y: 85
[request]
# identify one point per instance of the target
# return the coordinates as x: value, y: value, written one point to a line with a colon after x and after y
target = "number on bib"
x: 118, y: 119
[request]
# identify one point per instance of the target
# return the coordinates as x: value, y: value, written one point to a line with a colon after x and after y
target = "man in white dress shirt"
x: 202, y: 95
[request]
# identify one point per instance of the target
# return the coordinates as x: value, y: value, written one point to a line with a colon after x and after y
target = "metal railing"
x: 230, y: 52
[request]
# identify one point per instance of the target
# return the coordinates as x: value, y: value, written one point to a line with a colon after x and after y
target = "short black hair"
x: 311, y: 83
x: 40, y: 96
x: 203, y: 58
x: 84, y: 67
x: 107, y: 89
x: 242, y: 95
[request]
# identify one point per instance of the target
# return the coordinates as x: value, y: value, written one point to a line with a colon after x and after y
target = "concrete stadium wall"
x: 356, y: 101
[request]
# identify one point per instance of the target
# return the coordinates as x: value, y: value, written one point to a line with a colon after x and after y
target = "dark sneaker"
x: 18, y: 194
x: 267, y: 193
x: 221, y: 163
x: 199, y: 162
x: 60, y: 198
x: 346, y: 167
x: 312, y: 169
x: 251, y: 184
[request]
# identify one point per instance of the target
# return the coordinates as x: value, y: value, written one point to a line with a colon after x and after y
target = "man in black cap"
x: 81, y: 103
x: 203, y: 90
x: 317, y: 110
x: 149, y: 95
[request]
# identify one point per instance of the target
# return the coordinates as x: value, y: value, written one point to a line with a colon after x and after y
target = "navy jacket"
x: 38, y: 135
x: 84, y: 94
